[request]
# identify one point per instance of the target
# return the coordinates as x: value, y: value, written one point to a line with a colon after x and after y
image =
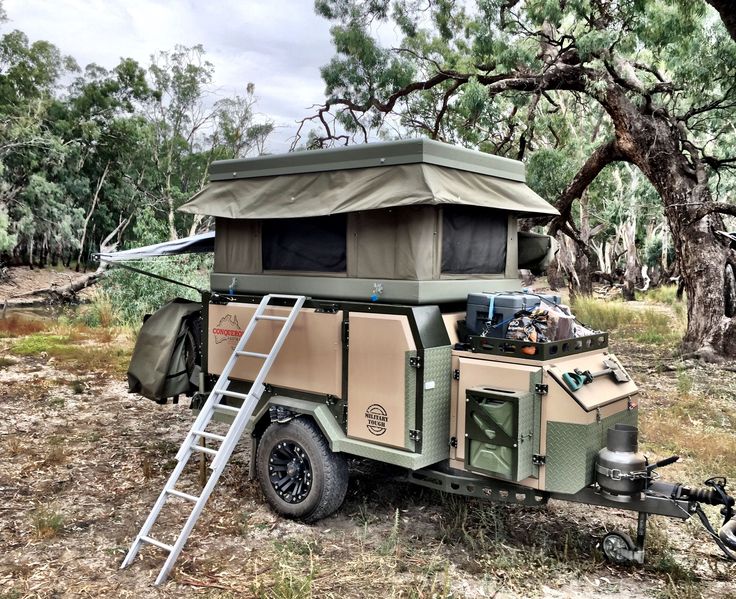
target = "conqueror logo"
x: 228, y: 329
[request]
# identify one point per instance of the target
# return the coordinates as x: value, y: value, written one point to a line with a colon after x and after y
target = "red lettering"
x: 227, y: 332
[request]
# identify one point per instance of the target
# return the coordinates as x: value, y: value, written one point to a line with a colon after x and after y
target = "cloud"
x: 279, y: 45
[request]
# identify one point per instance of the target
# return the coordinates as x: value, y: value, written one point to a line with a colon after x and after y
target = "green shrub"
x: 131, y: 295
x: 664, y: 294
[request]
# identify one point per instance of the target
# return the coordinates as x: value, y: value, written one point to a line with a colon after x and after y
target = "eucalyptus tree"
x: 661, y: 74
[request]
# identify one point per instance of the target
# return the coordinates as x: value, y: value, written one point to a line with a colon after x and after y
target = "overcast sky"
x: 277, y: 44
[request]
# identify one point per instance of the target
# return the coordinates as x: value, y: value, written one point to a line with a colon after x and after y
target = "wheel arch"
x: 300, y: 408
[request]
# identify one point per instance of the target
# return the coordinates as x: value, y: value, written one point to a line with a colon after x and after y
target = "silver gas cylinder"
x: 621, y: 470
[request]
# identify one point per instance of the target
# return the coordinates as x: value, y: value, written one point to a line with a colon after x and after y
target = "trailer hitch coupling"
x: 715, y: 494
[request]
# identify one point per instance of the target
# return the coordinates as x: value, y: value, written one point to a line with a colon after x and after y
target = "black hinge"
x: 541, y: 389
x: 415, y: 361
x: 345, y: 331
x: 539, y: 460
x: 456, y: 374
x: 415, y: 435
x: 453, y: 441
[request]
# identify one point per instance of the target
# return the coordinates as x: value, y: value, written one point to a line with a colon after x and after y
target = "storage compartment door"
x: 499, y: 425
x: 381, y: 383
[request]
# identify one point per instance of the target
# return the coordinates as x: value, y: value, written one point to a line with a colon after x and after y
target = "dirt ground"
x: 17, y: 283
x: 82, y: 462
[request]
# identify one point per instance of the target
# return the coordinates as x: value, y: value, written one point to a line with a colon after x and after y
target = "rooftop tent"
x: 418, y: 220
x: 366, y: 177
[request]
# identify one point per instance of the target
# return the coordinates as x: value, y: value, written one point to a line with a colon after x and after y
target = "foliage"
x: 133, y: 295
x: 85, y: 152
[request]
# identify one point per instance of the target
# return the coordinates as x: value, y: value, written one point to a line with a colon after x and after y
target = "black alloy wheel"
x: 299, y: 474
x: 290, y: 472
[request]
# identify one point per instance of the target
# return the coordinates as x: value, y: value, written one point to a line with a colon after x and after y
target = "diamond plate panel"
x: 572, y: 451
x: 437, y: 373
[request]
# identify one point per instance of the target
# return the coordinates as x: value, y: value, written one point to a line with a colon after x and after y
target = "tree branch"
x: 603, y: 156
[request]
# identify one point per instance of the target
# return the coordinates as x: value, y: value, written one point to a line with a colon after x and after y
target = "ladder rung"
x: 163, y: 546
x: 230, y: 409
x: 282, y: 318
x: 186, y: 496
x: 210, y: 436
x: 234, y: 394
x: 201, y: 449
x: 252, y: 354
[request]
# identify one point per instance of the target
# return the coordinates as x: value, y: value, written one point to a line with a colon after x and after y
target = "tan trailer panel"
x: 377, y: 357
x: 310, y: 359
x: 602, y: 391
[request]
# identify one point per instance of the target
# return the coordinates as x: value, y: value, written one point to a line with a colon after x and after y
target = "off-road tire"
x: 328, y: 470
x: 729, y: 290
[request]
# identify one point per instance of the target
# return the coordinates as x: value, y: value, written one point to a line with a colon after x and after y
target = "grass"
x: 100, y: 312
x: 664, y: 294
x: 5, y: 362
x: 18, y: 326
x: 78, y: 347
x: 46, y: 523
x: 649, y: 326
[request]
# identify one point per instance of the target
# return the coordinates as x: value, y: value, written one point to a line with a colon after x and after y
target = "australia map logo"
x: 227, y: 330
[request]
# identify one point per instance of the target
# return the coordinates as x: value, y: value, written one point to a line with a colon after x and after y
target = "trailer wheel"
x: 298, y: 473
x: 617, y: 547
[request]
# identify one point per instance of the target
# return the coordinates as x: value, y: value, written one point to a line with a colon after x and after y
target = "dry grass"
x: 650, y: 326
x: 18, y: 326
x: 47, y: 523
x: 92, y: 459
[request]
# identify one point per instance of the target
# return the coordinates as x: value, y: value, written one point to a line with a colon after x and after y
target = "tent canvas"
x: 313, y: 194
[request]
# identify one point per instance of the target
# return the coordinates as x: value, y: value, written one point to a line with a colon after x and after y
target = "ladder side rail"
x: 227, y: 447
x: 153, y: 515
x: 190, y: 523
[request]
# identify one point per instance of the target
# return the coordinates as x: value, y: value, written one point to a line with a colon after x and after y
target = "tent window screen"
x: 305, y: 244
x: 473, y: 240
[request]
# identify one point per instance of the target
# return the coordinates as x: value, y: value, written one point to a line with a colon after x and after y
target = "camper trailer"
x: 366, y: 303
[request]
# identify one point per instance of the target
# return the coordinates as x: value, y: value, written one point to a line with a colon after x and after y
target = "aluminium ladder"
x: 227, y: 443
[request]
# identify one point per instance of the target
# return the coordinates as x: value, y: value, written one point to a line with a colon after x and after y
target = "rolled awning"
x: 353, y: 190
x: 204, y: 242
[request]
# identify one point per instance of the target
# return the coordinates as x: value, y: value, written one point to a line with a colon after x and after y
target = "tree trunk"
x: 92, y: 208
x: 632, y: 263
x: 583, y: 270
x: 650, y: 139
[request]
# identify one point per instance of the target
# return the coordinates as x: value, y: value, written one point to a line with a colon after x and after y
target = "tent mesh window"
x: 315, y: 244
x: 473, y: 240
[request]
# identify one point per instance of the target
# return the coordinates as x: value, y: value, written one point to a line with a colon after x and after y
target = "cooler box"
x: 505, y: 306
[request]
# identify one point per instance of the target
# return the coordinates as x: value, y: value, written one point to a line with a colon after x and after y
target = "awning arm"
x: 150, y: 274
